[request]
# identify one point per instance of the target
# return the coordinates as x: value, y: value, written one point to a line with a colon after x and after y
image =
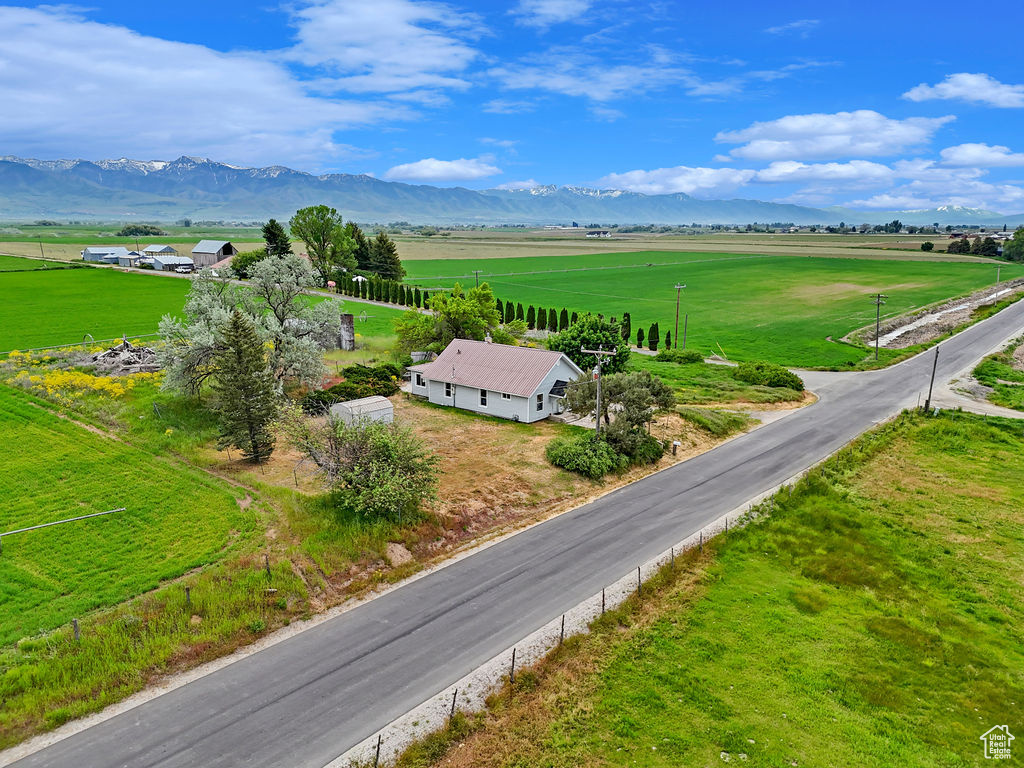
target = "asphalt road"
x: 307, y: 699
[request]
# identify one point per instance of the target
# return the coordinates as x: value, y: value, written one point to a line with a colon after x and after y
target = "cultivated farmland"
x: 783, y: 308
x: 60, y: 306
x: 176, y: 518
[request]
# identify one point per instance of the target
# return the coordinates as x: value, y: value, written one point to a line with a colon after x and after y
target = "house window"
x: 447, y: 389
x: 419, y: 380
x: 540, y: 402
x: 506, y: 396
x: 483, y: 398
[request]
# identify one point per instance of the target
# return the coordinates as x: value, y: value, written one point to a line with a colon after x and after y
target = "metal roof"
x: 158, y: 249
x: 370, y: 404
x: 495, y: 367
x: 99, y: 250
x: 173, y: 259
x: 209, y: 246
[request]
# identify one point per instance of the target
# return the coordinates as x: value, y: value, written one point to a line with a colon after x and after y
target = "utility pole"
x: 43, y: 255
x: 476, y: 274
x: 675, y: 338
x: 935, y: 364
x: 998, y: 267
x: 599, y: 354
x: 879, y: 299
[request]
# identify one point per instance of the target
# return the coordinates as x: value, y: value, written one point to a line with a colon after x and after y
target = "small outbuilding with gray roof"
x: 518, y: 383
x: 366, y: 409
x: 209, y: 252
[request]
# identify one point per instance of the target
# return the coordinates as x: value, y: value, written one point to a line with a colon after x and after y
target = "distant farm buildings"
x: 599, y: 233
x: 209, y: 252
x: 172, y: 263
x: 104, y: 254
x: 159, y: 250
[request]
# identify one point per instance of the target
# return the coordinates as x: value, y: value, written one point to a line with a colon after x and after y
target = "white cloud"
x: 503, y: 143
x: 508, y: 107
x: 978, y: 88
x: 863, y: 133
x: 544, y: 13
x: 855, y: 172
x: 72, y: 86
x: 802, y: 27
x: 682, y: 178
x: 386, y: 46
x: 432, y: 169
x: 527, y: 184
x: 981, y: 156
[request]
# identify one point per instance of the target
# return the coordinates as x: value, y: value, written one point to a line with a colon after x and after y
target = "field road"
x: 307, y: 699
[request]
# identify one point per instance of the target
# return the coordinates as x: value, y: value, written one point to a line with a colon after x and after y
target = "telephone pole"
x: 599, y: 354
x: 675, y: 338
x: 879, y: 299
x: 476, y: 274
x: 935, y: 364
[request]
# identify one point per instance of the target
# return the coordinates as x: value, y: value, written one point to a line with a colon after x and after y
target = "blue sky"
x: 872, y: 105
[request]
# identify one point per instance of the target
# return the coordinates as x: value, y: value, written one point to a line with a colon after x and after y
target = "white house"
x: 104, y: 254
x: 209, y: 252
x: 518, y: 383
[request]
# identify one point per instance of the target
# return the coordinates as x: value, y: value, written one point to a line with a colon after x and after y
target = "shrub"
x: 768, y: 375
x: 927, y: 246
x: 718, y: 423
x: 681, y: 356
x: 585, y: 455
x: 360, y: 381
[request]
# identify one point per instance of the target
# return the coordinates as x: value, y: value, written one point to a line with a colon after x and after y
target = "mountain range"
x: 138, y: 190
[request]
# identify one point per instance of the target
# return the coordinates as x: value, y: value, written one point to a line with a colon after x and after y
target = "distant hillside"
x: 203, y: 189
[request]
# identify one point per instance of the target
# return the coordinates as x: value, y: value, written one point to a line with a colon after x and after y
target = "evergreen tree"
x: 417, y: 298
x: 426, y: 299
x: 553, y: 320
x: 278, y: 243
x: 652, y: 337
x: 244, y: 385
x: 363, y: 289
x: 510, y: 312
x: 563, y: 319
x: 384, y: 257
x: 668, y: 339
x: 531, y: 318
x: 627, y: 326
x: 640, y: 337
x: 542, y: 319
x: 575, y: 317
x: 362, y: 249
x: 501, y: 308
x: 519, y: 312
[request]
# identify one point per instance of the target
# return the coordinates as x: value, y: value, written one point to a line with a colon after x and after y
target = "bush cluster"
x: 360, y: 381
x: 585, y: 455
x: 681, y: 356
x: 768, y: 375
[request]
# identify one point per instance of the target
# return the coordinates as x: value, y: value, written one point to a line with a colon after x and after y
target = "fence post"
x: 74, y: 626
x: 188, y: 596
x: 702, y: 541
x: 561, y: 636
x: 452, y: 713
x: 266, y: 563
x: 376, y: 758
x: 512, y: 669
x: 602, y: 601
x: 673, y: 558
x: 638, y: 585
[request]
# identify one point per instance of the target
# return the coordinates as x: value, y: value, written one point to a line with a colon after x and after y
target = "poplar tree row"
x: 542, y: 319
x: 388, y: 291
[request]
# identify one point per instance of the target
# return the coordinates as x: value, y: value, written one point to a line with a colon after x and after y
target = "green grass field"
x: 700, y: 383
x: 176, y: 518
x: 781, y: 308
x: 18, y: 264
x: 59, y: 306
x: 1007, y: 382
x: 872, y: 620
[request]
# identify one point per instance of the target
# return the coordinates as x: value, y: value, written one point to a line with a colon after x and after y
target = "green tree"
x: 653, y: 337
x: 573, y: 318
x: 563, y: 320
x: 520, y: 315
x: 627, y: 326
x: 500, y: 306
x: 244, y: 386
x: 640, y: 338
x: 277, y: 240
x: 243, y: 262
x: 383, y: 471
x: 553, y: 320
x: 384, y: 257
x: 985, y: 247
x: 417, y: 298
x: 927, y: 245
x: 510, y: 312
x: 328, y: 244
x: 1013, y: 250
x: 361, y: 251
x: 456, y: 315
x: 668, y: 339
x: 591, y: 332
x: 531, y: 317
x: 542, y: 319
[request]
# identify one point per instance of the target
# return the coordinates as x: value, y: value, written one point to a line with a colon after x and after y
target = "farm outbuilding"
x: 171, y: 263
x: 104, y: 254
x: 130, y: 259
x: 370, y: 409
x: 209, y: 252
x: 159, y: 250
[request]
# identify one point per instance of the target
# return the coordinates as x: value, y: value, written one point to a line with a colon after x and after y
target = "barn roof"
x: 209, y: 246
x: 102, y: 249
x: 168, y: 259
x: 158, y: 249
x: 495, y: 367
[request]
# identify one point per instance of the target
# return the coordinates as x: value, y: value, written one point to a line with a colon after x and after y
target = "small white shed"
x: 372, y: 409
